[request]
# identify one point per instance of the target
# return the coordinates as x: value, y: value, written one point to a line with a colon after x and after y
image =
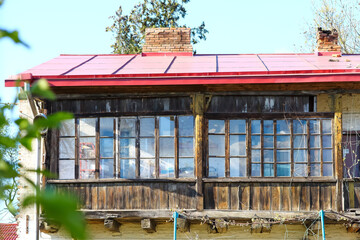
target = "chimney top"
x: 327, y: 42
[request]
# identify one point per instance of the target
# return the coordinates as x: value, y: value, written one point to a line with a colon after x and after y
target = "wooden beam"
x: 353, y: 228
x: 148, y: 225
x: 338, y: 151
x: 183, y: 224
x: 221, y: 225
x: 112, y: 225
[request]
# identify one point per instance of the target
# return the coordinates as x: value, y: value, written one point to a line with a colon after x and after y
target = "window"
x: 297, y: 147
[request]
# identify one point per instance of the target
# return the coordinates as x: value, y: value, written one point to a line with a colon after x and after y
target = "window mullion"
x: 137, y: 147
x: 157, y: 147
x: 308, y: 147
x: 262, y: 148
x: 77, y: 139
x: 291, y: 149
x: 97, y: 149
x: 275, y: 148
x: 176, y: 147
x: 114, y: 147
x: 227, y: 149
x: 248, y: 135
x: 321, y: 148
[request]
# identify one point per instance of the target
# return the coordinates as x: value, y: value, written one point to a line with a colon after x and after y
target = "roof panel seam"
x: 117, y: 70
x: 263, y: 62
x: 72, y: 69
x: 171, y: 63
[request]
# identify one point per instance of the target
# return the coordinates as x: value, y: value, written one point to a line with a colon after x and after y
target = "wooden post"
x: 148, y: 225
x: 338, y: 151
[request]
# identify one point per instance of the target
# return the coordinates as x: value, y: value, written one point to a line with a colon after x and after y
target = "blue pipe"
x: 322, y: 224
x: 175, y: 216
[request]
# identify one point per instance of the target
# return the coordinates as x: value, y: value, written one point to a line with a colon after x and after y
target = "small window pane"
x: 327, y: 155
x: 217, y: 145
x: 186, y: 126
x: 268, y: 170
x: 147, y: 127
x: 147, y: 147
x: 67, y: 128
x: 299, y: 126
x: 166, y: 167
x: 268, y: 155
x: 166, y: 126
x: 66, y: 169
x: 283, y: 170
x: 268, y: 126
x: 106, y: 168
x: 127, y: 127
x: 127, y: 148
x: 326, y: 141
x: 127, y: 168
x: 106, y: 127
x: 216, y: 167
x: 327, y: 170
x: 255, y: 170
x: 283, y: 156
x: 147, y: 168
x: 282, y: 127
x: 268, y: 141
x: 216, y: 126
x: 67, y: 148
x: 237, y: 145
x: 255, y: 126
x: 166, y: 147
x: 315, y: 156
x: 186, y: 147
x: 255, y: 141
x: 106, y: 147
x: 237, y: 126
x: 300, y: 170
x: 314, y: 126
x: 315, y: 141
x: 326, y: 126
x: 255, y: 155
x: 283, y: 141
x: 300, y: 156
x: 237, y: 167
x: 186, y: 167
x: 315, y: 170
x: 87, y: 126
x: 87, y: 147
x: 87, y: 169
x: 300, y: 141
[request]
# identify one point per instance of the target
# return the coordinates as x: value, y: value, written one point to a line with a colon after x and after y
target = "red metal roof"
x: 164, y: 69
x: 8, y: 231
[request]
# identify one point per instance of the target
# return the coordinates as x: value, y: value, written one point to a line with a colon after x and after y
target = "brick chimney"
x: 169, y: 41
x: 327, y: 42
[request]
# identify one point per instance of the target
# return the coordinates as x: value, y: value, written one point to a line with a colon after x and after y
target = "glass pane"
x: 186, y: 167
x: 326, y: 141
x: 147, y: 127
x: 237, y: 145
x: 87, y: 169
x: 216, y: 167
x: 127, y: 127
x: 315, y: 156
x: 327, y: 155
x: 255, y: 170
x: 186, y: 126
x: 106, y: 168
x: 166, y: 167
x: 127, y: 148
x: 66, y: 169
x: 255, y: 155
x: 87, y: 147
x: 216, y: 126
x: 283, y: 156
x: 67, y: 148
x: 87, y: 126
x: 127, y: 168
x: 283, y: 170
x: 268, y: 170
x: 237, y: 126
x: 300, y: 141
x: 314, y: 126
x: 166, y: 147
x: 147, y: 168
x: 283, y: 141
x: 106, y: 147
x: 268, y: 141
x: 299, y: 126
x: 300, y: 170
x: 315, y: 170
x: 217, y: 145
x: 315, y: 141
x: 67, y: 128
x: 237, y: 167
x: 268, y: 155
x: 255, y: 126
x: 166, y: 126
x: 282, y: 127
x: 106, y: 127
x: 147, y: 147
x: 300, y: 156
x: 186, y: 147
x: 268, y: 126
x: 255, y: 141
x: 326, y: 126
x: 327, y: 170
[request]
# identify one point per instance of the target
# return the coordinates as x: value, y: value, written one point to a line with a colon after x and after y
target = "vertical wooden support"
x: 338, y: 151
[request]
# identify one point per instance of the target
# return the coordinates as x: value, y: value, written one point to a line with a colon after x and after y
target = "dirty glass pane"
x: 186, y: 167
x: 255, y: 155
x: 300, y: 141
x: 315, y: 141
x: 217, y: 145
x: 147, y: 127
x: 315, y: 170
x: 315, y: 156
x: 186, y: 147
x: 314, y: 126
x: 268, y: 170
x: 166, y: 167
x: 216, y: 126
x: 67, y: 128
x: 87, y: 169
x: 255, y: 170
x: 127, y: 168
x: 106, y: 168
x: 127, y: 148
x: 300, y: 156
x: 147, y: 147
x: 237, y: 126
x: 166, y: 147
x: 283, y: 170
x: 268, y: 127
x: 268, y: 141
x: 216, y: 167
x: 268, y: 155
x: 66, y: 169
x: 326, y: 126
x: 237, y: 145
x: 186, y: 126
x: 87, y: 147
x: 327, y: 170
x: 282, y: 127
x: 299, y: 126
x: 255, y: 126
x: 283, y: 141
x: 147, y: 168
x: 326, y: 141
x: 106, y: 127
x: 127, y: 127
x: 237, y: 167
x: 106, y: 147
x: 166, y: 126
x: 67, y: 148
x: 255, y: 141
x: 300, y: 170
x: 283, y: 156
x: 87, y: 126
x: 327, y: 155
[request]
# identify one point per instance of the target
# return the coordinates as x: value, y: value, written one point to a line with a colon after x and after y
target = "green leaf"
x: 45, y: 173
x: 14, y: 35
x: 26, y: 142
x: 7, y: 170
x: 41, y: 88
x: 22, y: 123
x: 53, y: 120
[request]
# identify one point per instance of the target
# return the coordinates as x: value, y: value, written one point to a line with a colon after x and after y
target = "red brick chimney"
x: 167, y: 41
x: 327, y: 42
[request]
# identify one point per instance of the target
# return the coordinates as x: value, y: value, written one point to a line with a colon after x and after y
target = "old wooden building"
x: 239, y: 145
